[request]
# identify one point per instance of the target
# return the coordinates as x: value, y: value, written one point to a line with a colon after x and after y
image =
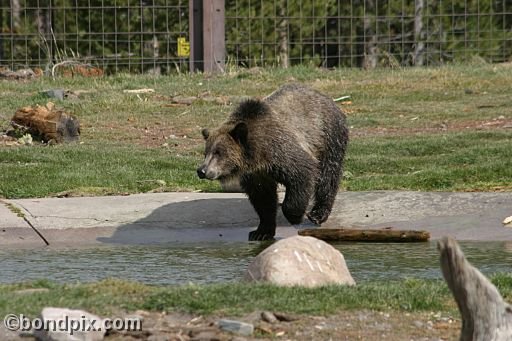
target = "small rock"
x: 64, y: 317
x: 269, y: 317
x: 418, y: 324
x: 304, y: 261
x: 507, y: 222
x: 237, y: 327
x: 55, y: 93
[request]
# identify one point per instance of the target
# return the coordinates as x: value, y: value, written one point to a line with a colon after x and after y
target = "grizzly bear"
x: 296, y: 137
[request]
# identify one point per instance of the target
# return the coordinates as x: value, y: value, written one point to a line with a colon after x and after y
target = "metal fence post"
x: 195, y: 17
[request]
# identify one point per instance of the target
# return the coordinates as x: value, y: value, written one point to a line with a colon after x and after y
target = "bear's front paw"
x: 259, y: 236
x: 318, y: 217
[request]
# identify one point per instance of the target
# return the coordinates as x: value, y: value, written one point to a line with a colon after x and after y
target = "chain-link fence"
x: 116, y: 35
x: 368, y: 33
x: 142, y: 35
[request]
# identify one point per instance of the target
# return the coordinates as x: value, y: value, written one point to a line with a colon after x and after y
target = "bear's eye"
x: 217, y: 152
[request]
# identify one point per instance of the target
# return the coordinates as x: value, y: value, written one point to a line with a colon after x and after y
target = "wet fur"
x: 296, y: 137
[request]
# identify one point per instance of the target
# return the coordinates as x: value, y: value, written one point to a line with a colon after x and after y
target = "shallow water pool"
x: 221, y: 262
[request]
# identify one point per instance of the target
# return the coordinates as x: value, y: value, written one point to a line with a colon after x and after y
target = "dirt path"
x: 346, y: 325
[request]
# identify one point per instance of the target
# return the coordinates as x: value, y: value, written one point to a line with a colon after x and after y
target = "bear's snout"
x: 201, y: 172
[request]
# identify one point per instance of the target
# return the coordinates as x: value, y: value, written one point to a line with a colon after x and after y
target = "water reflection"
x: 221, y: 262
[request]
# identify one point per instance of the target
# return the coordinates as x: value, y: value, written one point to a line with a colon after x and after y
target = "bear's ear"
x: 205, y: 133
x: 239, y: 133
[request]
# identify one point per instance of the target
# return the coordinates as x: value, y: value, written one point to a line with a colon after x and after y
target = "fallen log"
x: 385, y: 235
x: 485, y: 315
x: 47, y: 122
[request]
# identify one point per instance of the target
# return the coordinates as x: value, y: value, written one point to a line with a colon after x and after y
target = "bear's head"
x: 224, y: 151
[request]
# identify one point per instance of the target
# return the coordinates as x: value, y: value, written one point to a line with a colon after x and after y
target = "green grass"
x: 441, y: 162
x: 111, y: 295
x: 42, y: 171
x: 127, y: 146
x: 108, y: 296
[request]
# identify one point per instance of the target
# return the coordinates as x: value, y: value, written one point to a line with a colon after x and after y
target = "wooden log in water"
x: 385, y: 235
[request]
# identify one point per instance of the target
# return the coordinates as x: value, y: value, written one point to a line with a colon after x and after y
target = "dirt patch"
x: 442, y: 127
x: 187, y: 139
x: 346, y: 325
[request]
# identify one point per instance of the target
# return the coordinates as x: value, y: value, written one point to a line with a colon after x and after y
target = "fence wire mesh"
x: 368, y: 33
x: 116, y: 35
x: 142, y: 35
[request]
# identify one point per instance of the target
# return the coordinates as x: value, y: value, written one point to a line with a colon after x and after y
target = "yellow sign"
x: 183, y: 47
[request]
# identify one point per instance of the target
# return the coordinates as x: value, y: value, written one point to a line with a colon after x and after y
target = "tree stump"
x: 485, y: 315
x: 48, y: 123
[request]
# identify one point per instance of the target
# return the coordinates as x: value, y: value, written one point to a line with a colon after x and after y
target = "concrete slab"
x: 140, y: 209
x: 10, y: 219
x: 14, y: 230
x: 208, y: 217
x: 465, y: 216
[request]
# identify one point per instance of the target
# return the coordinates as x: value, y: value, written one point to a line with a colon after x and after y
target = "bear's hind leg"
x: 262, y: 193
x: 325, y: 193
x: 328, y: 183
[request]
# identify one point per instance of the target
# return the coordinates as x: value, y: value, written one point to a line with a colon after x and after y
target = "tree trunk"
x: 485, y: 315
x: 284, y: 57
x: 44, y: 24
x: 418, y: 58
x: 370, y: 60
x: 15, y: 15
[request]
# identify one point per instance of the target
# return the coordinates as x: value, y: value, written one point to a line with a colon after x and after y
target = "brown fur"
x: 296, y: 137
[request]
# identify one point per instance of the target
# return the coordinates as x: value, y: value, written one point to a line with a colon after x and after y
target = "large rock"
x: 67, y: 322
x: 304, y: 261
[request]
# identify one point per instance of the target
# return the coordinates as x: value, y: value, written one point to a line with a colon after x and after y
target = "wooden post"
x: 1, y: 36
x: 195, y: 17
x: 214, y: 41
x: 485, y: 315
